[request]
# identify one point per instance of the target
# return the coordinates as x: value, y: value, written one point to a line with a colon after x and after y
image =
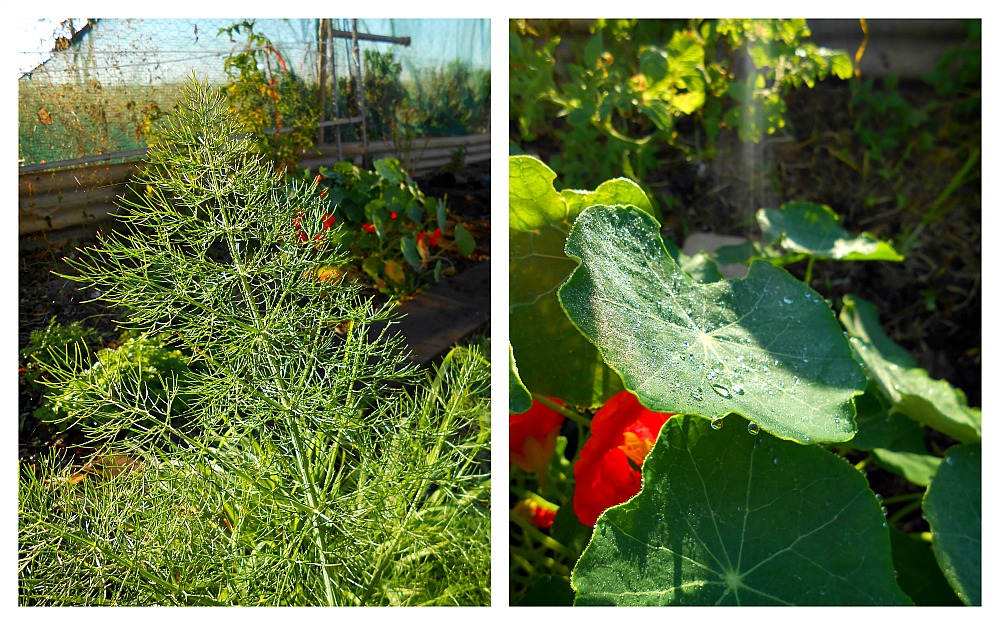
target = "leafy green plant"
x: 766, y: 398
x: 133, y: 371
x: 632, y: 95
x: 312, y: 466
x: 56, y: 343
x: 270, y: 100
x: 400, y: 234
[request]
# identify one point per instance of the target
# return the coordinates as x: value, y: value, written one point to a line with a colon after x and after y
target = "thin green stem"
x: 541, y: 536
x: 905, y: 510
x: 809, y: 270
x: 888, y: 501
x: 572, y: 415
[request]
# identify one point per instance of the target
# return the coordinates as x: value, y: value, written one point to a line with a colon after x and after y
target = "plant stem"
x: 809, y: 270
x: 933, y: 214
x: 905, y: 510
x: 541, y: 536
x: 287, y: 413
x: 572, y: 415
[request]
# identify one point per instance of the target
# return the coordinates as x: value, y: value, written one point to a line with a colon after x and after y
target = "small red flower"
x: 317, y: 179
x: 368, y: 228
x: 535, y: 513
x: 533, y: 437
x: 432, y: 238
x: 393, y: 215
x: 608, y: 471
x: 328, y: 221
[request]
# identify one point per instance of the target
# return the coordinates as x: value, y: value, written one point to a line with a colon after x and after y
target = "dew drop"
x: 696, y: 393
x: 721, y: 390
x: 717, y: 423
x: 738, y: 389
x: 787, y: 300
x: 753, y: 428
x: 775, y: 461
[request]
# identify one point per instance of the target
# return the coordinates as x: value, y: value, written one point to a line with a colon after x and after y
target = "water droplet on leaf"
x: 721, y: 390
x: 753, y: 428
x: 717, y: 423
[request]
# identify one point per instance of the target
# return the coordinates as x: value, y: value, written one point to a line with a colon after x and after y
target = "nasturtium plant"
x: 934, y: 403
x: 765, y: 346
x: 815, y: 230
x: 755, y: 491
x: 954, y: 508
x: 726, y: 517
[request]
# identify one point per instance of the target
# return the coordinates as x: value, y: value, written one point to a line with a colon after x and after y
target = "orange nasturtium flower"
x: 533, y: 437
x: 608, y: 471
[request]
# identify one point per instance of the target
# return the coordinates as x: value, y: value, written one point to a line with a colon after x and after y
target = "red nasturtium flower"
x: 535, y: 513
x: 432, y: 238
x: 533, y: 437
x: 607, y: 473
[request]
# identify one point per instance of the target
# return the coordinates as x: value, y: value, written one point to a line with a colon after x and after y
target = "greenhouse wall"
x: 100, y: 94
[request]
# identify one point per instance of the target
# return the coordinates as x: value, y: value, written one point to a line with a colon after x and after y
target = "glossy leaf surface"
x: 727, y: 518
x: 765, y: 346
x: 934, y: 403
x: 953, y: 506
x: 815, y: 230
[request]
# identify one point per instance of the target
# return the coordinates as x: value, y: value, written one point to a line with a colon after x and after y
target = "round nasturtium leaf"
x: 765, y: 346
x: 934, y: 403
x: 730, y: 518
x: 953, y: 506
x: 814, y: 229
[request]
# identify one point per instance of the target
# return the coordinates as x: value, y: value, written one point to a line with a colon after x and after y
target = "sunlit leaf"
x: 519, y: 397
x: 765, y: 346
x: 553, y: 358
x: 935, y: 403
x: 814, y: 229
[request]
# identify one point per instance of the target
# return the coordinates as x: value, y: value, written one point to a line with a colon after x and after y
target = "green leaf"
x: 464, y: 240
x: 391, y: 170
x: 765, y: 346
x: 519, y: 397
x: 727, y: 518
x: 438, y: 207
x: 814, y: 229
x: 408, y: 245
x: 917, y: 468
x: 953, y: 506
x: 554, y: 359
x: 700, y: 267
x: 934, y: 403
x: 920, y: 576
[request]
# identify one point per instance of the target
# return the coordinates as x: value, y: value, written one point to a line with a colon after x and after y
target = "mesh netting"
x: 100, y: 91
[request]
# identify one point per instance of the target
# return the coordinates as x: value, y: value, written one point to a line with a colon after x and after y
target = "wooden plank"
x: 446, y: 313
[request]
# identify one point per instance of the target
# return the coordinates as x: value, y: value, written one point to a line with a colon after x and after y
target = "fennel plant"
x: 308, y: 464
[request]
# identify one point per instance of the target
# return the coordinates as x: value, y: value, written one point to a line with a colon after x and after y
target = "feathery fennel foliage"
x: 308, y: 463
